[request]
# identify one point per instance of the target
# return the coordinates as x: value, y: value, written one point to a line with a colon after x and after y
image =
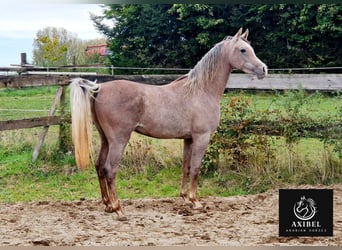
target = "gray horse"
x: 187, y: 108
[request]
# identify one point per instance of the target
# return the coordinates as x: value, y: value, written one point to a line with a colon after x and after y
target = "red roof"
x: 100, y: 49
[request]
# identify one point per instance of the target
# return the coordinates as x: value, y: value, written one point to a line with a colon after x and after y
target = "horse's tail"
x: 81, y: 90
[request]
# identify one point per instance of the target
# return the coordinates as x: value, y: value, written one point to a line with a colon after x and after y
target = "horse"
x: 188, y: 108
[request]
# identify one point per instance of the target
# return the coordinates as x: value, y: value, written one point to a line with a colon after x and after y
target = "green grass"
x: 317, y: 103
x: 27, y: 92
x: 151, y: 167
x: 19, y: 102
x: 55, y: 177
x: 22, y: 180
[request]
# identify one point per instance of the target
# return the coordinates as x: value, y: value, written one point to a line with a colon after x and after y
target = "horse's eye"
x: 242, y: 50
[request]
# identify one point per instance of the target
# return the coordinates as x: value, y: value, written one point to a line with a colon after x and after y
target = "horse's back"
x: 159, y: 111
x: 156, y: 111
x: 119, y: 102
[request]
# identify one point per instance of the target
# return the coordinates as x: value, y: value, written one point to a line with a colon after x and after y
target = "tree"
x: 161, y: 35
x: 57, y: 47
x: 178, y: 35
x: 200, y: 27
x: 53, y: 47
x: 141, y: 35
x: 299, y: 35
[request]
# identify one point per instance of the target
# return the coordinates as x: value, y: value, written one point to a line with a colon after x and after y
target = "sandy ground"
x: 250, y: 220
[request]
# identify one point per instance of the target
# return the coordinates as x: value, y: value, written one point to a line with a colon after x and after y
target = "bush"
x: 247, y: 141
x: 232, y: 145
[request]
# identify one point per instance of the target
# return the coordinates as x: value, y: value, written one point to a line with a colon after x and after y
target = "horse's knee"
x: 194, y: 172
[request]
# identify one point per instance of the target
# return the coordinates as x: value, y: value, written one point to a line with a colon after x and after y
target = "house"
x: 100, y: 49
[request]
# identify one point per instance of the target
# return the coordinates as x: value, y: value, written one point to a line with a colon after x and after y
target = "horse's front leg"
x: 199, y: 146
x: 185, y: 167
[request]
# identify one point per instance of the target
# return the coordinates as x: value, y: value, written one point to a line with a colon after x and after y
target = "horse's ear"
x: 245, y: 35
x: 237, y: 35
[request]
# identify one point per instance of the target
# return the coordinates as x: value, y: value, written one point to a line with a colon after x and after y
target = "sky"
x: 19, y: 24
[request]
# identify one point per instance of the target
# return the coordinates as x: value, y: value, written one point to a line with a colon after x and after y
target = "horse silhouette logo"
x: 306, y: 212
x: 305, y: 209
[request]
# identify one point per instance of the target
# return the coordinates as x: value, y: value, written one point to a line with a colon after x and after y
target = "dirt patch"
x: 233, y: 221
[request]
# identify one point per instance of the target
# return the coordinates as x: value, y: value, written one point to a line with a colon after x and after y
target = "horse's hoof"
x: 183, y: 195
x: 121, y: 215
x: 109, y: 210
x: 122, y: 218
x: 197, y: 206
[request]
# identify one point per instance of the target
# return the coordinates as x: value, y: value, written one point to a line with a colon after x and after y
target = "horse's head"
x: 303, y: 203
x: 305, y: 209
x: 242, y: 56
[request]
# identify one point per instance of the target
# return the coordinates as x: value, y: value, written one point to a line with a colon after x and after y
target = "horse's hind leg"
x: 99, y: 165
x: 101, y: 159
x: 111, y: 167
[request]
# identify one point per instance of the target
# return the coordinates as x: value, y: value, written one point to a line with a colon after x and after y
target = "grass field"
x: 151, y: 167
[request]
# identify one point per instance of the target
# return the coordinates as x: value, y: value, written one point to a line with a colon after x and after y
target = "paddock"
x: 250, y: 220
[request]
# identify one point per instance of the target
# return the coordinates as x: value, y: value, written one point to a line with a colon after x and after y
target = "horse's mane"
x: 204, y: 70
x: 311, y: 201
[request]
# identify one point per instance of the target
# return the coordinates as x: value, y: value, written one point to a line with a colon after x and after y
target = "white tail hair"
x: 81, y: 91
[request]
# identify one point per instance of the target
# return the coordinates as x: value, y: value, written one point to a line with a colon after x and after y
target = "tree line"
x: 178, y: 35
x: 55, y: 47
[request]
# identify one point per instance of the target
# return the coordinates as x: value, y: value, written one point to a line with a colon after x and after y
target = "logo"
x: 305, y: 212
x: 305, y: 209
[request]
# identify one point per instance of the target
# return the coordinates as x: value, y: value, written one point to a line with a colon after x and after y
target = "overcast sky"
x: 19, y: 24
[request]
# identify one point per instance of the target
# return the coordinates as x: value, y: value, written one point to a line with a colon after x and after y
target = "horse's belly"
x: 164, y: 130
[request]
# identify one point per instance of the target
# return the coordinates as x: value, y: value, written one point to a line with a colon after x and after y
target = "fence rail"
x: 44, y: 121
x: 237, y: 81
x: 312, y: 82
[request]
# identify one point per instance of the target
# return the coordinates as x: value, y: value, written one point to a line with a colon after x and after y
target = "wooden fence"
x: 310, y: 82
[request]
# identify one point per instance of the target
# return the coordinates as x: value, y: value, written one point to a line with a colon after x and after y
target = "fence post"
x: 45, y: 129
x: 23, y: 59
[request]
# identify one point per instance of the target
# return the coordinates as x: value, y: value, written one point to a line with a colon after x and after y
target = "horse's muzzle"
x: 262, y: 73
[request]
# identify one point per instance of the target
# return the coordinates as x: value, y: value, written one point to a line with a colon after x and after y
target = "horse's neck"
x: 218, y: 83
